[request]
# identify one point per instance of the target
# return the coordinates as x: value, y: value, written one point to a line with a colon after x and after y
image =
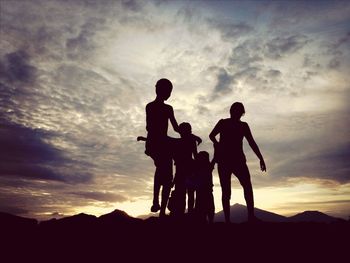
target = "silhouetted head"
x: 185, y: 129
x: 237, y: 110
x: 164, y: 88
x: 203, y: 157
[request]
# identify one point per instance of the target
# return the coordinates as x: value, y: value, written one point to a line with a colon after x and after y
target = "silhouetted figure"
x: 182, y: 150
x: 185, y: 149
x: 203, y: 168
x: 157, y: 145
x: 231, y: 159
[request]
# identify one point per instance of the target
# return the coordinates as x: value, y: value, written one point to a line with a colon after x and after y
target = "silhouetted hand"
x: 262, y: 165
x: 141, y: 138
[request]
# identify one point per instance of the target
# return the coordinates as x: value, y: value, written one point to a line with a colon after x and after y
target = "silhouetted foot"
x: 155, y: 208
x: 162, y: 215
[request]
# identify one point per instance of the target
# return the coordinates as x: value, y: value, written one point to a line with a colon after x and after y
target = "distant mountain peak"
x: 116, y: 213
x: 117, y: 216
x: 239, y: 214
x: 313, y: 216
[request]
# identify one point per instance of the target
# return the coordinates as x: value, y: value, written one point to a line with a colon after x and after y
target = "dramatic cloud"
x: 75, y: 77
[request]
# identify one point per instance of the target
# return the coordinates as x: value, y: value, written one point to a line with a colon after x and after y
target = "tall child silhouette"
x: 157, y: 145
x: 231, y: 159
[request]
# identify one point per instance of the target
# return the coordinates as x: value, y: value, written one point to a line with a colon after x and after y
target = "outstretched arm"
x: 254, y: 147
x: 141, y: 138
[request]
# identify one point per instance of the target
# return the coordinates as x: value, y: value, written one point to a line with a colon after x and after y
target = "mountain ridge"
x: 238, y: 215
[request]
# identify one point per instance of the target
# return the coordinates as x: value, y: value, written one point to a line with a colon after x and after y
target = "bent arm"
x: 214, y: 132
x: 197, y: 139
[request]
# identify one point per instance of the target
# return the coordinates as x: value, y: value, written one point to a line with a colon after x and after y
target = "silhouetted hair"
x: 185, y: 128
x: 237, y: 110
x: 163, y: 86
x: 203, y: 156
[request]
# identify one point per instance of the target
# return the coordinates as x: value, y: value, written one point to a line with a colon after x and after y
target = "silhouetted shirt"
x: 157, y: 118
x: 183, y: 150
x: 203, y: 177
x: 231, y: 140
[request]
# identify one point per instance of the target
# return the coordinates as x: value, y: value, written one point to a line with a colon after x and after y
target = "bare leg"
x: 225, y: 182
x: 156, y: 188
x: 211, y: 210
x: 244, y: 179
x: 165, y: 198
x: 190, y: 193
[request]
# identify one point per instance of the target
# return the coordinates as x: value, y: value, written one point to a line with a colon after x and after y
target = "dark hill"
x: 239, y: 215
x: 314, y: 216
x: 8, y: 221
x: 117, y: 217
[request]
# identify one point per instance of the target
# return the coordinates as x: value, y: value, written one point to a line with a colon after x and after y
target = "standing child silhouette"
x: 185, y: 149
x: 231, y: 159
x: 157, y: 144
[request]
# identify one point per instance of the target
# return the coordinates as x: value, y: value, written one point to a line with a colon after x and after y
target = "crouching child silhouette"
x: 203, y: 168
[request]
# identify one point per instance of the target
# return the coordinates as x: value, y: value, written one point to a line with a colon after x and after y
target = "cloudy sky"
x: 75, y: 77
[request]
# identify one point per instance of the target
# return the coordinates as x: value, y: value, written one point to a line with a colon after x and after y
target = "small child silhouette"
x: 185, y: 149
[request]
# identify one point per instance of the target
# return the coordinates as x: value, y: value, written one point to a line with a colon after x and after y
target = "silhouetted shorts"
x: 239, y: 169
x: 160, y: 152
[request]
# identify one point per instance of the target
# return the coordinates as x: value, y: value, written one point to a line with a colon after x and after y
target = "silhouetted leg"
x: 165, y: 197
x: 190, y: 193
x: 156, y: 187
x: 244, y: 179
x: 225, y: 182
x: 211, y: 210
x: 166, y: 177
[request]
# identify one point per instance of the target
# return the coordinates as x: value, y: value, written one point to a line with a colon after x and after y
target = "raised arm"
x: 254, y: 146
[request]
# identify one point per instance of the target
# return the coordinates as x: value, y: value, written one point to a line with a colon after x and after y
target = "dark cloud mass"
x: 24, y: 153
x: 224, y: 81
x: 16, y: 67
